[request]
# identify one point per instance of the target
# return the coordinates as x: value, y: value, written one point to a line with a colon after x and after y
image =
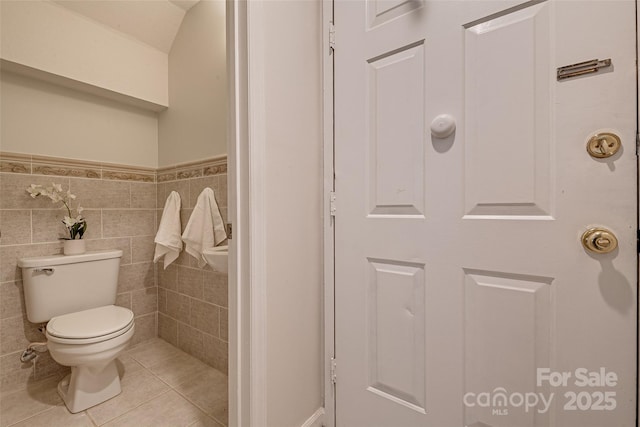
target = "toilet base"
x: 89, y: 386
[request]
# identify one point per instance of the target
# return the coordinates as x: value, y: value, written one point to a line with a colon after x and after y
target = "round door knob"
x: 599, y: 240
x: 443, y: 126
x: 603, y: 145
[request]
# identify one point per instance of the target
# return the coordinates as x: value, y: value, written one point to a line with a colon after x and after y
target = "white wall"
x: 194, y: 127
x: 293, y: 139
x: 48, y: 37
x: 46, y: 119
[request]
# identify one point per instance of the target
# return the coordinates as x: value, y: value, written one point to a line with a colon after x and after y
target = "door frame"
x: 329, y: 234
x: 246, y: 147
x: 246, y: 166
x: 328, y: 220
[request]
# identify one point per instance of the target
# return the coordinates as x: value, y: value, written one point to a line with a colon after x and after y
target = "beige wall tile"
x: 216, y: 353
x: 190, y: 340
x: 15, y: 226
x: 132, y: 222
x: 221, y: 190
x: 146, y: 328
x: 179, y: 306
x: 144, y: 301
x: 205, y: 317
x: 216, y: 288
x: 168, y: 279
x: 136, y: 276
x: 190, y: 282
x: 94, y: 224
x: 224, y: 324
x: 165, y: 188
x: 46, y: 367
x: 122, y: 243
x: 223, y: 213
x: 9, y: 256
x: 185, y: 214
x: 13, y: 373
x: 14, y: 195
x: 124, y: 300
x: 162, y: 300
x: 48, y: 226
x: 183, y: 259
x: 16, y: 333
x: 168, y: 329
x: 143, y: 195
x: 142, y: 248
x: 92, y: 193
x: 11, y: 300
x: 158, y: 217
x: 161, y: 195
x: 196, y: 185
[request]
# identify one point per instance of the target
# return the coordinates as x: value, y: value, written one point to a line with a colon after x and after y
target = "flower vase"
x: 74, y: 247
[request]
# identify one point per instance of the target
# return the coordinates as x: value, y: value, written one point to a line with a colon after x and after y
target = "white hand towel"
x: 205, y: 228
x: 168, y: 240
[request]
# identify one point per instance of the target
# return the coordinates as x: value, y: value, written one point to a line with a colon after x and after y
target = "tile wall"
x: 123, y: 206
x: 192, y: 301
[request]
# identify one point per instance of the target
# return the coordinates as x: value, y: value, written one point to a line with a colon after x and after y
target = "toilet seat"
x: 90, y: 326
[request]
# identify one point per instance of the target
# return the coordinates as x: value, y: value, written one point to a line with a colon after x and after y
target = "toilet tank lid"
x: 50, y: 260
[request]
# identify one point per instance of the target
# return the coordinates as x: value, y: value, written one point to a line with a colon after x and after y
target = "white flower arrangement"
x: 76, y: 226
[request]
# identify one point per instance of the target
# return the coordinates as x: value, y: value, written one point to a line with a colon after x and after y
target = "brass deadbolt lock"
x: 599, y: 240
x: 603, y: 145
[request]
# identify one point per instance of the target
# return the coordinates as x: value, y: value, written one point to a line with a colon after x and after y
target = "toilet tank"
x: 60, y: 284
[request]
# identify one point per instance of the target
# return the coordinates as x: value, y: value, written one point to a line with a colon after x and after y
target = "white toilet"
x: 76, y: 294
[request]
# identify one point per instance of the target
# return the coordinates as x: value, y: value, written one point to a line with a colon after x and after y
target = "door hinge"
x: 332, y: 203
x: 638, y: 241
x: 333, y: 370
x: 229, y: 231
x: 637, y: 144
x: 332, y: 38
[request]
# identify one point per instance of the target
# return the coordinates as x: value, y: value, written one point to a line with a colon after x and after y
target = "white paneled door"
x: 464, y: 293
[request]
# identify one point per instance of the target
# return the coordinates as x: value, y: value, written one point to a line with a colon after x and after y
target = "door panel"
x: 508, y: 87
x: 396, y: 332
x: 459, y: 268
x: 396, y: 135
x: 506, y: 315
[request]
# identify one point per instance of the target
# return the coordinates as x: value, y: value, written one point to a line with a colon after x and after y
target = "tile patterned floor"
x: 161, y: 386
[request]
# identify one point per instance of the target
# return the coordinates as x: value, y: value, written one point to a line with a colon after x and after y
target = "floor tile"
x: 176, y: 370
x: 127, y: 365
x: 58, y: 416
x: 168, y: 410
x: 35, y: 398
x: 154, y: 351
x: 137, y: 387
x: 208, y: 391
x: 206, y: 424
x: 161, y: 386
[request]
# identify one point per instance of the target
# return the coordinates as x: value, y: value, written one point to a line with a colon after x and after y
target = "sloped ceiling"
x: 154, y: 22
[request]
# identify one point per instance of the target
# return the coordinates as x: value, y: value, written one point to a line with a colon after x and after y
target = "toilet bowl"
x: 89, y: 341
x: 75, y: 296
